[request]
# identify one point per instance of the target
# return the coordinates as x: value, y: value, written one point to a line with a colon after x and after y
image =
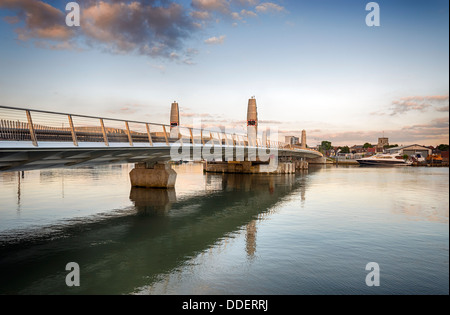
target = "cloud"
x: 128, y: 109
x: 247, y: 3
x: 215, y: 40
x: 400, y: 107
x: 433, y: 132
x: 236, y: 16
x: 137, y: 27
x: 161, y: 68
x: 11, y: 19
x: 41, y: 20
x: 268, y: 7
x: 195, y: 115
x: 425, y: 98
x: 201, y: 15
x: 155, y: 28
x: 248, y: 13
x: 116, y: 26
x: 442, y: 109
x: 438, y: 123
x: 66, y: 45
x: 416, y: 103
x: 221, y: 6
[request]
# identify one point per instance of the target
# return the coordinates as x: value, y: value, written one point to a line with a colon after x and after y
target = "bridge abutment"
x: 158, y: 175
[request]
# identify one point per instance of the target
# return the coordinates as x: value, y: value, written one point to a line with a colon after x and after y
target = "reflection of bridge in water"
x: 34, y: 139
x: 119, y: 254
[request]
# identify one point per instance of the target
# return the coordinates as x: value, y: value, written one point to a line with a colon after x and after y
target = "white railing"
x: 37, y: 126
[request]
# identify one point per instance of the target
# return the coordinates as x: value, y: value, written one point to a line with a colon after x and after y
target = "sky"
x: 313, y: 64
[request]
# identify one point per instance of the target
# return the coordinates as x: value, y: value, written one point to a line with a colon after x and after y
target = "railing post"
x: 165, y: 135
x: 149, y: 134
x: 130, y: 140
x: 226, y: 138
x: 192, y: 136
x: 72, y: 130
x: 201, y: 136
x: 30, y: 125
x: 105, y: 136
x: 211, y: 139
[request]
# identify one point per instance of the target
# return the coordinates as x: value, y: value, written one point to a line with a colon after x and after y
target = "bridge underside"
x: 18, y: 158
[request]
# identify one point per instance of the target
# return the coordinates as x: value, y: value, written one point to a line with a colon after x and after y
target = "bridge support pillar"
x: 159, y: 175
x: 301, y: 165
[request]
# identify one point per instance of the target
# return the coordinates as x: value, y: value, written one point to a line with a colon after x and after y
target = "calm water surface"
x: 312, y: 233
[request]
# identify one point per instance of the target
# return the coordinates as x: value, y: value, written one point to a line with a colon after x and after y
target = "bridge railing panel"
x: 87, y: 129
x: 51, y: 127
x: 206, y: 137
x: 185, y: 135
x: 227, y: 139
x: 138, y: 133
x: 174, y: 133
x: 14, y: 125
x: 160, y: 134
x: 221, y: 138
x: 197, y: 136
x: 116, y: 131
x: 216, y: 140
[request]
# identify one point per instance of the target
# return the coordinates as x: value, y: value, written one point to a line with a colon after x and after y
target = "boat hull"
x: 382, y: 163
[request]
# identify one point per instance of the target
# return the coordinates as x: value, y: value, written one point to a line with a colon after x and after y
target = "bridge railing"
x: 38, y: 127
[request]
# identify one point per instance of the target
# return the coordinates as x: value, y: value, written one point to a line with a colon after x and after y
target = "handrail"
x: 30, y: 129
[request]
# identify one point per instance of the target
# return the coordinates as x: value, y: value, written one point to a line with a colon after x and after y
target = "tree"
x: 326, y: 145
x: 345, y: 149
x: 367, y: 145
x: 443, y: 147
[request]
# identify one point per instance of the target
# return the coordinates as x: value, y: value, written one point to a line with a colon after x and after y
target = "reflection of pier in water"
x: 117, y: 254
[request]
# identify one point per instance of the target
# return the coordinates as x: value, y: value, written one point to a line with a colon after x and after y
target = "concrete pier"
x: 248, y: 167
x: 159, y: 175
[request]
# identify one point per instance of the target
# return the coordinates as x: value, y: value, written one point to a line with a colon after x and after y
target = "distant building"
x: 292, y: 140
x: 412, y: 149
x: 357, y: 149
x: 382, y: 142
x: 444, y: 155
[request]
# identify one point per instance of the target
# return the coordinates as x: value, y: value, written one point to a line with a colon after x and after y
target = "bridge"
x: 38, y: 139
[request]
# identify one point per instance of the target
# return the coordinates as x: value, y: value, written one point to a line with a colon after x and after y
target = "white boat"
x: 385, y: 159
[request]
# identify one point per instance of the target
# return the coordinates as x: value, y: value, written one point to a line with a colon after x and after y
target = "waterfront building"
x: 412, y: 149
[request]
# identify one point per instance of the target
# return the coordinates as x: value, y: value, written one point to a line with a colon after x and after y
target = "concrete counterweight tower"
x: 303, y: 143
x: 252, y: 121
x: 174, y: 120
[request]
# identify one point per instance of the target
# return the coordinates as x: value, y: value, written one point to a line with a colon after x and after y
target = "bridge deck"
x: 31, y: 139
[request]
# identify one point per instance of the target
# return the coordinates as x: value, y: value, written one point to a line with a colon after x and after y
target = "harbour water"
x: 310, y: 233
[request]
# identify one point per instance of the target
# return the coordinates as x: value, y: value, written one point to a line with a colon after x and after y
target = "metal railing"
x: 38, y: 126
